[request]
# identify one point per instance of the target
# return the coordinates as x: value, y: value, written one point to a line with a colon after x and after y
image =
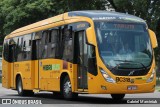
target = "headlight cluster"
x: 106, y: 76
x: 150, y: 79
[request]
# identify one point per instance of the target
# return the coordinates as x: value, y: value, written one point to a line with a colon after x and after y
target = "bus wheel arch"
x: 17, y: 77
x: 63, y: 75
x: 19, y: 87
x: 65, y: 84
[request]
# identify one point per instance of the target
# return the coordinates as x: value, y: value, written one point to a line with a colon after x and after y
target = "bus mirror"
x: 89, y: 33
x: 153, y: 38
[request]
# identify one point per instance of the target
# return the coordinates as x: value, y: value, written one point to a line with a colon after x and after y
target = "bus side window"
x: 59, y: 49
x: 6, y: 50
x: 11, y: 50
x: 19, y: 49
x: 44, y: 43
x: 68, y: 47
x: 52, y: 44
x: 27, y: 47
x: 16, y: 40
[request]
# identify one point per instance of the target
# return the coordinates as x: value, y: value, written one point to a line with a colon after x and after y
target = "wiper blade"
x: 128, y: 61
x: 115, y: 67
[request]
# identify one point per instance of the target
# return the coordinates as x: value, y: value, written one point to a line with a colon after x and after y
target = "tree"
x: 18, y: 13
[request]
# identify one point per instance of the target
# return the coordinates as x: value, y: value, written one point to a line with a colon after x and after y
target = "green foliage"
x: 18, y: 13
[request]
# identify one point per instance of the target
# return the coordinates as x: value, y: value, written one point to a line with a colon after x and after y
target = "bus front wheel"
x: 20, y: 90
x: 117, y: 96
x: 67, y: 89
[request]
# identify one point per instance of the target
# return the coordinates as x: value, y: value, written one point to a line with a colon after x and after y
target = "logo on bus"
x: 51, y: 67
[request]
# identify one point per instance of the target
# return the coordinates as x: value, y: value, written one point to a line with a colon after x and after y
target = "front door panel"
x: 82, y: 65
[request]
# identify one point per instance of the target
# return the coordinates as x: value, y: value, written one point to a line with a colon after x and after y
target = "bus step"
x: 36, y: 90
x: 85, y: 91
x: 81, y: 92
x: 12, y: 88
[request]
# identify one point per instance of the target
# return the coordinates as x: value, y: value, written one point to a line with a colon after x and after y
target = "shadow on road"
x: 49, y: 98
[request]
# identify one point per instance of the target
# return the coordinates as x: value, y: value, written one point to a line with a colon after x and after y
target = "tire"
x: 67, y: 90
x: 19, y: 87
x: 118, y: 96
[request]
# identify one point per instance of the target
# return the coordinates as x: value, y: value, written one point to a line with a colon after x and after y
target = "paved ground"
x: 83, y: 100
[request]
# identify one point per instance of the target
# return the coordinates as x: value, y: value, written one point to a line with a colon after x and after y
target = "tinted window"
x: 27, y: 47
x: 5, y: 50
x: 67, y: 42
x: 52, y: 43
x: 43, y: 44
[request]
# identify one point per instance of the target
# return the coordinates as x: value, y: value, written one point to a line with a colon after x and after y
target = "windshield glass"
x: 123, y: 45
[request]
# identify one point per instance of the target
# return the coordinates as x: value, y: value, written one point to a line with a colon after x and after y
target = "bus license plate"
x: 132, y: 87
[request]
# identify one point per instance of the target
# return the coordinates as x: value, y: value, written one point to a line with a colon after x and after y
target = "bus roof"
x: 40, y: 23
x: 103, y: 15
x: 93, y: 14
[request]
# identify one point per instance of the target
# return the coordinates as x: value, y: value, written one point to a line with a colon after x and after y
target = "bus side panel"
x: 49, y: 73
x: 25, y: 68
x: 35, y: 76
x: 32, y: 68
x: 6, y: 81
x: 74, y: 81
x: 12, y: 74
x: 93, y: 83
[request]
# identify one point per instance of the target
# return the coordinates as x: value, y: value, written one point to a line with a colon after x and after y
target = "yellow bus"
x: 92, y: 52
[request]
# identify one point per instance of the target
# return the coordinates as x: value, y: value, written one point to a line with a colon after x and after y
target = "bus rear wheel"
x: 20, y: 90
x: 117, y: 96
x: 67, y: 89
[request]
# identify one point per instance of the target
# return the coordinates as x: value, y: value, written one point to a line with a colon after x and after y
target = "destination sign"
x: 121, y: 26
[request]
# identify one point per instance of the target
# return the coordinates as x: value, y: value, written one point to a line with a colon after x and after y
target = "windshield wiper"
x: 117, y: 65
x: 128, y: 61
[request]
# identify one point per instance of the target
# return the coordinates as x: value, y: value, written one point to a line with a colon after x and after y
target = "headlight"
x: 150, y: 79
x: 107, y: 77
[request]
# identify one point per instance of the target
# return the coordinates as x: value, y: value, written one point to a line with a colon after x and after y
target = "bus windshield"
x: 124, y: 45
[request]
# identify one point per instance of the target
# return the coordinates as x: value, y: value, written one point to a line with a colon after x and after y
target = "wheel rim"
x: 19, y: 87
x: 67, y: 88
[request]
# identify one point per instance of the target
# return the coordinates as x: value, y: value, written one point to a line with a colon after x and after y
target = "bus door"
x: 12, y: 59
x: 81, y: 50
x: 41, y: 53
x: 36, y: 50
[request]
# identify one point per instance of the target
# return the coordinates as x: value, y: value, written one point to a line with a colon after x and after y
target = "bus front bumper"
x: 127, y: 88
x: 115, y: 88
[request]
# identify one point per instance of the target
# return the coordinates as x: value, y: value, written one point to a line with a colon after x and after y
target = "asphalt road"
x: 83, y: 99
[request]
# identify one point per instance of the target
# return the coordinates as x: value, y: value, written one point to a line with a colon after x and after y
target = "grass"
x: 0, y: 79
